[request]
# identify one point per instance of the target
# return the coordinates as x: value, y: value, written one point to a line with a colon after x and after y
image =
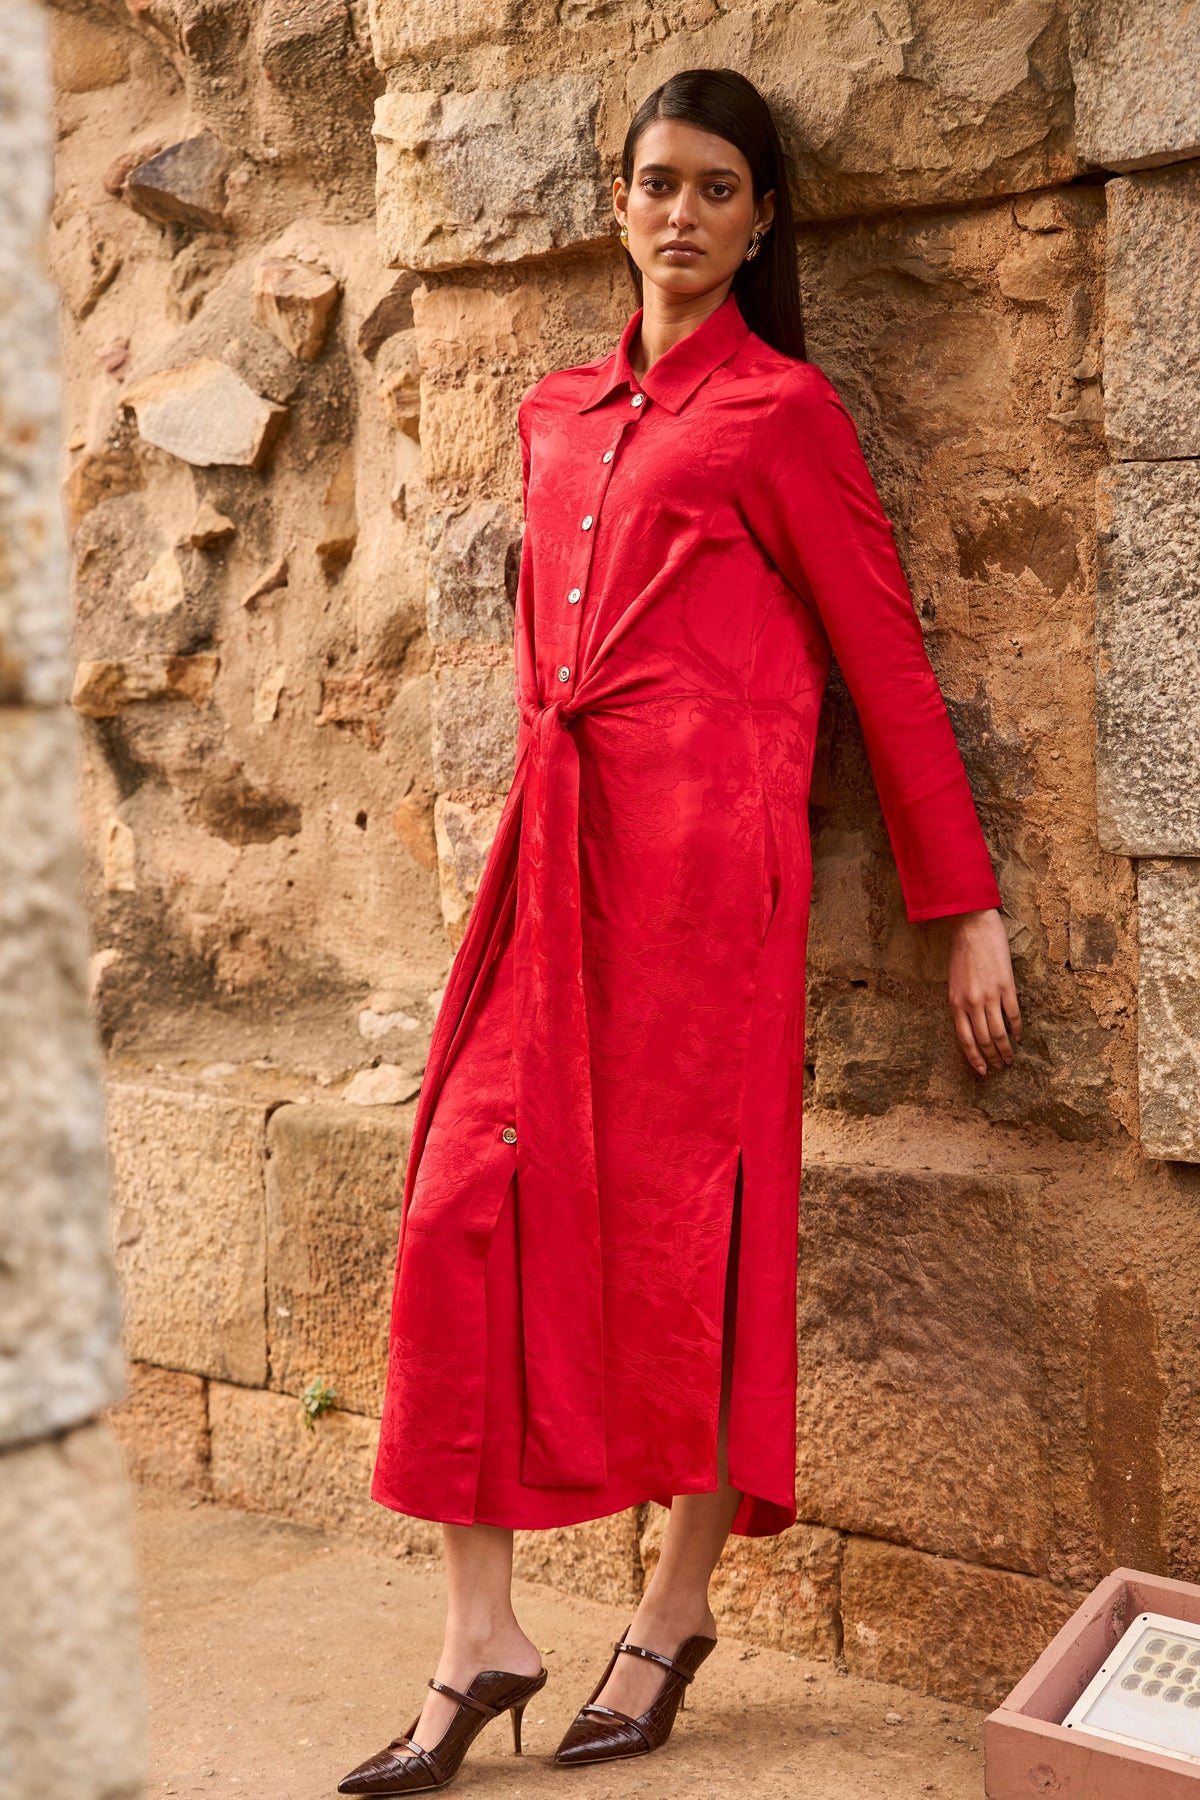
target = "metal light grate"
x: 1148, y: 1690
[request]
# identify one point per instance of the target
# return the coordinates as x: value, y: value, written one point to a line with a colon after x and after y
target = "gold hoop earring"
x: 755, y: 241
x: 625, y: 235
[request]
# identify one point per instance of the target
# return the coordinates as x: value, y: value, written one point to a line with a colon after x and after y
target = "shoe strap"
x: 653, y: 1656
x: 481, y: 1706
x: 610, y: 1712
x: 419, y: 1754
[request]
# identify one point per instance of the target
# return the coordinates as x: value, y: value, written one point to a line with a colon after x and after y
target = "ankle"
x: 682, y: 1610
x: 480, y: 1635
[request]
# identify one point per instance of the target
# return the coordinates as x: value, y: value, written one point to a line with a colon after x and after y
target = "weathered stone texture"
x: 33, y: 624
x: 1152, y: 315
x: 919, y: 1408
x: 1137, y: 81
x: 489, y: 176
x: 464, y: 831
x: 204, y: 413
x: 335, y: 1179
x: 264, y: 1459
x: 472, y: 573
x: 162, y: 1428
x: 71, y: 1710
x: 783, y: 1592
x: 1148, y: 659
x: 1169, y: 1008
x: 598, y: 1559
x: 474, y: 727
x: 190, y: 1228
x: 59, y: 1360
x: 942, y: 1626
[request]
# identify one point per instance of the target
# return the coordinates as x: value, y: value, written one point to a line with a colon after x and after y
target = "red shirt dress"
x: 624, y: 1019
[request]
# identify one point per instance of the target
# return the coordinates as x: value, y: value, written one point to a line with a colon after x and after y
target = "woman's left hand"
x: 982, y: 992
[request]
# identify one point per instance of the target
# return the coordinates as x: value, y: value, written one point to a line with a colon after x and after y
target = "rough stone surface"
x: 474, y: 726
x: 265, y: 1460
x: 162, y: 1428
x: 104, y: 688
x: 472, y: 570
x: 33, y: 624
x: 1148, y: 659
x: 335, y: 1178
x: 1169, y: 1008
x: 71, y: 1707
x: 942, y: 1626
x: 464, y: 830
x: 1152, y: 315
x: 296, y: 302
x: 190, y: 1228
x: 204, y: 413
x: 919, y: 1359
x: 1137, y: 81
x: 783, y: 1592
x: 598, y: 1559
x: 489, y: 176
x: 59, y: 1360
x: 182, y: 185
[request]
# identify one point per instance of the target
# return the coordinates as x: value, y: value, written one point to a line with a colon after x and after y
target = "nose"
x: 684, y: 211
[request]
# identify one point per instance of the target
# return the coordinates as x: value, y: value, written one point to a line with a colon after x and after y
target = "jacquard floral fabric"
x: 624, y: 1020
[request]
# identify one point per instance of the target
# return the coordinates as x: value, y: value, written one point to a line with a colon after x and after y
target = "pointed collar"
x: 674, y: 378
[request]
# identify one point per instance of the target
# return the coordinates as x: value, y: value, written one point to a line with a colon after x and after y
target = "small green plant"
x: 317, y: 1398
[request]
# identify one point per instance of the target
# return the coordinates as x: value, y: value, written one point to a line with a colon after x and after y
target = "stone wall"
x: 70, y: 1700
x: 294, y: 358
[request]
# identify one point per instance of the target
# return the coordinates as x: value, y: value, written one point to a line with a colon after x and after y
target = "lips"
x: 681, y: 247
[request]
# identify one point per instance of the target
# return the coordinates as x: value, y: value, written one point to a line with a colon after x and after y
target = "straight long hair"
x: 729, y: 106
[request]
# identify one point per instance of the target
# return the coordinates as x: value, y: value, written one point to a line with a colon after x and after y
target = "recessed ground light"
x: 1147, y: 1691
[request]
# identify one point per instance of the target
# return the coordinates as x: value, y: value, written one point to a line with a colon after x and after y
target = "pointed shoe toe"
x: 597, y: 1734
x: 388, y: 1773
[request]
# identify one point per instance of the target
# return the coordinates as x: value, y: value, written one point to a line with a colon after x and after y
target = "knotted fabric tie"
x: 558, y: 1217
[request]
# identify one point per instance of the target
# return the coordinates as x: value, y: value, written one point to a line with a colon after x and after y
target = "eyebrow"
x: 670, y: 169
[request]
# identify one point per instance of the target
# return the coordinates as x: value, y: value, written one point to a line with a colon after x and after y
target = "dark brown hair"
x: 724, y: 103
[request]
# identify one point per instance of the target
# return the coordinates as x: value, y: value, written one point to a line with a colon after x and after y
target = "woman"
x: 596, y: 1283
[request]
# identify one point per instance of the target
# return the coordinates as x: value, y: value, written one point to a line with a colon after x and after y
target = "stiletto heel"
x: 405, y: 1768
x: 601, y: 1734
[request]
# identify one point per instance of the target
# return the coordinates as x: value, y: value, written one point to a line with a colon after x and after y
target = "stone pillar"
x: 1139, y: 109
x: 70, y: 1706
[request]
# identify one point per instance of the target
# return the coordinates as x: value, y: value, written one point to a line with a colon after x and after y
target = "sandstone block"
x: 59, y: 1358
x: 473, y: 559
x: 335, y: 1179
x: 263, y: 1459
x: 941, y: 1626
x: 918, y: 1343
x: 183, y: 185
x: 337, y: 532
x: 1148, y: 659
x: 103, y: 688
x: 464, y: 830
x: 598, y: 1559
x: 162, y: 1428
x: 34, y: 653
x: 460, y: 326
x: 70, y: 1676
x: 205, y: 414
x: 399, y: 371
x: 474, y: 727
x: 190, y: 1230
x: 489, y: 176
x: 402, y: 29
x: 1137, y: 81
x: 1169, y: 1008
x: 468, y: 432
x: 85, y: 54
x: 296, y: 301
x: 1152, y: 315
x: 391, y: 313
x: 385, y: 1085
x: 782, y: 1591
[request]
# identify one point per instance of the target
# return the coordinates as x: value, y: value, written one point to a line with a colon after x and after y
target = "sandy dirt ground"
x: 279, y: 1657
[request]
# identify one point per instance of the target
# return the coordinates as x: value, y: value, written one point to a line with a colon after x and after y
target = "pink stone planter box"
x: 1026, y: 1752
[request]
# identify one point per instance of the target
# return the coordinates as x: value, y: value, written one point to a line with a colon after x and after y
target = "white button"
x: 573, y: 596
x: 564, y: 674
x: 509, y: 1134
x: 637, y: 399
x: 587, y: 523
x: 607, y: 457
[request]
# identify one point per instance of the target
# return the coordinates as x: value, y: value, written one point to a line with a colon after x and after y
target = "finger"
x: 966, y: 1039
x: 983, y: 1035
x: 1013, y: 1011
x: 995, y: 1019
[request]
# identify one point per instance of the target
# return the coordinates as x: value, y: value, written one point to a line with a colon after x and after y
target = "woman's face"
x: 690, y: 209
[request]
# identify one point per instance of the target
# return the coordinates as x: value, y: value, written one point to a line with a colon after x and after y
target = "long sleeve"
x: 810, y: 501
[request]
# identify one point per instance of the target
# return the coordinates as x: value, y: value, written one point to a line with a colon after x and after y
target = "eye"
x: 720, y: 190
x: 653, y: 183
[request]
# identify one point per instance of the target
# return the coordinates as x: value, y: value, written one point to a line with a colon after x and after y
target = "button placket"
x: 566, y: 672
